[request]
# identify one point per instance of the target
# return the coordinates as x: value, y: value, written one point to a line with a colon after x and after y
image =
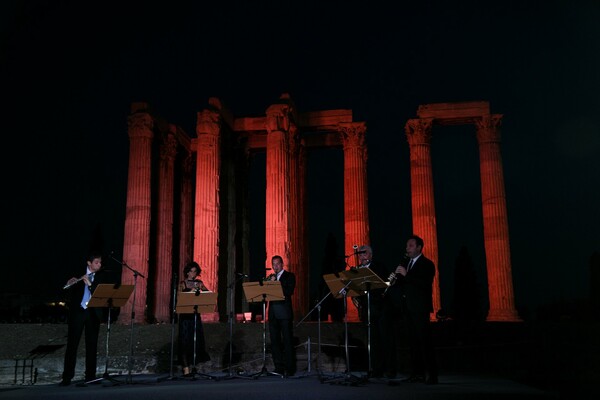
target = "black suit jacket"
x: 375, y: 295
x: 414, y: 291
x: 283, y: 309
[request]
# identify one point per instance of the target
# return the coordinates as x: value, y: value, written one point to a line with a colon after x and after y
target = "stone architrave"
x: 418, y: 133
x: 136, y: 242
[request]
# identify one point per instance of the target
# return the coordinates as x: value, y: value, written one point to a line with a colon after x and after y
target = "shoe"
x: 65, y: 382
x: 279, y: 371
x: 414, y: 379
x: 431, y: 380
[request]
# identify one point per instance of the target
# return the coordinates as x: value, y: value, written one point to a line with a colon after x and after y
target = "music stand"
x: 262, y: 292
x: 109, y: 295
x: 365, y: 280
x: 196, y: 302
x: 353, y: 282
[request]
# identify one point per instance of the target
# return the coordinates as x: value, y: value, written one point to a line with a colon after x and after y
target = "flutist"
x: 80, y: 318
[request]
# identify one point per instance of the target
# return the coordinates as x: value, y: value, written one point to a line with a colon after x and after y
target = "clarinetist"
x: 81, y: 318
x: 281, y: 318
x: 412, y: 295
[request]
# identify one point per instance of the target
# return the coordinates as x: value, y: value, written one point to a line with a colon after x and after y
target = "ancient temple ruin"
x: 187, y: 197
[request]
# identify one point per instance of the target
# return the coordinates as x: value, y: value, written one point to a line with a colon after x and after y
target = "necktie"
x: 410, y: 264
x: 87, y: 294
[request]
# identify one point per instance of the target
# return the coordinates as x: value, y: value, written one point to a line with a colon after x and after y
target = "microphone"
x: 355, y: 247
x: 240, y: 274
x: 357, y: 252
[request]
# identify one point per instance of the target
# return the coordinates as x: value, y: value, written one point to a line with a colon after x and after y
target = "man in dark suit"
x: 281, y: 318
x: 81, y: 318
x: 381, y: 362
x: 413, y: 291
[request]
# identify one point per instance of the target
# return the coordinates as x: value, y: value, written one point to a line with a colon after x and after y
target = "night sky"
x: 70, y: 71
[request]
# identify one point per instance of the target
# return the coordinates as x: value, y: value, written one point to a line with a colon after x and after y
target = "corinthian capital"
x: 140, y: 125
x: 488, y: 128
x: 208, y: 123
x: 279, y: 117
x: 353, y: 133
x: 418, y: 131
x: 168, y: 148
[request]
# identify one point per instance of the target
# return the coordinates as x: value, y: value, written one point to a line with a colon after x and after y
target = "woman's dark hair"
x: 188, y: 267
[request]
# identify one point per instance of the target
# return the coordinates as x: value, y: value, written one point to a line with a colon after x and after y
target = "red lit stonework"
x: 187, y: 197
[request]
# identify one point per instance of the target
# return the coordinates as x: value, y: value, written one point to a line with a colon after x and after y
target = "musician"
x: 379, y: 349
x: 281, y: 320
x: 81, y: 318
x: 190, y: 283
x: 413, y: 290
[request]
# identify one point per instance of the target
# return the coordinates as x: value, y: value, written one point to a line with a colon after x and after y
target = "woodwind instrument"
x: 270, y: 277
x: 392, y: 278
x: 68, y: 285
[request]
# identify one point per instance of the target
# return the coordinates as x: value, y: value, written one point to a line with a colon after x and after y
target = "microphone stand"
x: 231, y: 288
x: 173, y: 313
x: 135, y: 275
x: 348, y: 377
x: 318, y: 307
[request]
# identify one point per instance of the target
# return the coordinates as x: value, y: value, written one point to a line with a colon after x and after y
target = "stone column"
x: 164, y: 228
x: 418, y: 133
x: 495, y: 221
x: 300, y: 299
x: 356, y: 210
x: 278, y: 170
x: 302, y: 225
x: 208, y: 174
x: 136, y: 246
x: 186, y: 225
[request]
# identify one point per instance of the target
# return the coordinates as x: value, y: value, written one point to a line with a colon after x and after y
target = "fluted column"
x: 300, y: 298
x: 136, y: 246
x: 277, y: 224
x: 208, y: 173
x: 356, y: 210
x: 495, y: 221
x: 164, y: 228
x: 302, y: 225
x: 186, y: 225
x: 418, y: 133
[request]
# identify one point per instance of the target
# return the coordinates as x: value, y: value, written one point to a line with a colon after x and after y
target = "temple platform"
x: 535, y: 361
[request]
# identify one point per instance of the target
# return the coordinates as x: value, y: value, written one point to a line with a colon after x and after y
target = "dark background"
x: 70, y: 71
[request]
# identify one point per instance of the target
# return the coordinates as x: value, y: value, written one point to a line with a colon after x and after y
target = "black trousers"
x: 81, y: 320
x: 282, y: 346
x: 422, y: 355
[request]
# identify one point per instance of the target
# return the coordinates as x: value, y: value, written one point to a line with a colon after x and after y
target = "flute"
x: 68, y: 285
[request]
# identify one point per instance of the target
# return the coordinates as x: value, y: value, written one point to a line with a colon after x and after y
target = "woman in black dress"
x: 191, y: 282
